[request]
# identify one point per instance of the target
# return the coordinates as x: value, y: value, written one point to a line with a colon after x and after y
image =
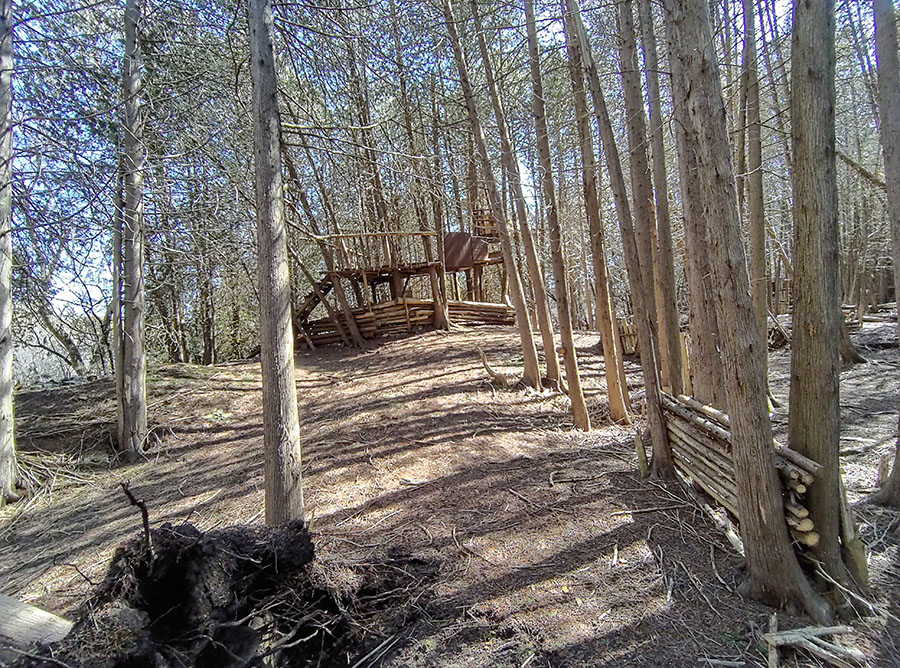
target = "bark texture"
x: 664, y: 275
x: 8, y: 469
x: 641, y: 185
x: 640, y: 297
x: 758, y: 283
x: 774, y: 572
x: 560, y: 280
x: 617, y: 388
x: 888, y: 65
x: 814, y: 409
x: 281, y: 428
x: 134, y: 364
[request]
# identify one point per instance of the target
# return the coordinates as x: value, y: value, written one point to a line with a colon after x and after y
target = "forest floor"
x: 548, y: 548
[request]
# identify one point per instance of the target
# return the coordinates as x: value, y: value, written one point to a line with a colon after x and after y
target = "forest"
x: 431, y: 333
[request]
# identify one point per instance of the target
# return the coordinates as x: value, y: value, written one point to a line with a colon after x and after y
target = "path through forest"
x: 548, y: 548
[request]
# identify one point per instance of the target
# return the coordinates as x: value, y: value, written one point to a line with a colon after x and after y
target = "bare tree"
x: 888, y: 66
x: 134, y: 358
x: 8, y: 468
x: 641, y: 297
x: 616, y: 384
x: 758, y: 284
x: 774, y: 572
x: 281, y: 427
x: 511, y: 167
x: 639, y: 166
x: 531, y: 375
x: 560, y: 282
x: 665, y: 268
x: 814, y: 411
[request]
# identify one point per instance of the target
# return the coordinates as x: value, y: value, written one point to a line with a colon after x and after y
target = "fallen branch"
x: 501, y: 379
x: 810, y: 639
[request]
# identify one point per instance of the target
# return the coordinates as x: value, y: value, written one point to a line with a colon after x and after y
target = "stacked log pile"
x: 701, y: 447
x: 480, y: 313
x: 401, y: 316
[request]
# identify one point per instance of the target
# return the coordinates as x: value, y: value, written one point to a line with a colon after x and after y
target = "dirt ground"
x: 548, y: 547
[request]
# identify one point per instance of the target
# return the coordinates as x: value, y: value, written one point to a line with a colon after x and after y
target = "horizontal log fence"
x: 700, y: 437
x: 401, y: 316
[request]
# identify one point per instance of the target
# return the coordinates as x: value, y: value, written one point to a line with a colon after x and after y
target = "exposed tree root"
x: 501, y: 379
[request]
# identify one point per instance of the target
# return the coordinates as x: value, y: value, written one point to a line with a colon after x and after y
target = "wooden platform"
x: 402, y: 316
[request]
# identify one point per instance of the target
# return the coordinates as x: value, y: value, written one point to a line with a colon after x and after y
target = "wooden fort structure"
x: 384, y: 283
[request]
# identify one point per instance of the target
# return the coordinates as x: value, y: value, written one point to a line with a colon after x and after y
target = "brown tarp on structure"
x: 462, y: 251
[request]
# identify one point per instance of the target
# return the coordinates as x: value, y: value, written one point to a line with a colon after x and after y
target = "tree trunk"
x: 134, y: 369
x: 532, y: 374
x: 706, y: 362
x: 281, y: 428
x: 667, y: 310
x: 889, y: 96
x: 511, y: 167
x: 758, y: 283
x: 814, y: 412
x: 118, y: 287
x: 617, y: 388
x: 441, y: 318
x: 641, y: 185
x: 8, y: 466
x: 774, y: 572
x: 640, y: 297
x: 432, y: 176
x: 560, y: 280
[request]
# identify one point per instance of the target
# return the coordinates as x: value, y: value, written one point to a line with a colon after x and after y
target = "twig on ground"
x: 773, y: 648
x: 145, y: 516
x: 638, y: 511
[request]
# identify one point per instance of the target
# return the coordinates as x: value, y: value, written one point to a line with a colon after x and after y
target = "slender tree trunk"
x: 667, y: 310
x: 511, y: 167
x: 640, y: 296
x: 888, y: 66
x: 8, y: 466
x: 281, y: 428
x: 560, y: 280
x: 436, y: 192
x: 532, y: 374
x: 774, y: 572
x: 758, y: 283
x: 617, y: 388
x: 814, y: 413
x: 134, y: 370
x: 706, y: 363
x: 118, y: 342
x: 641, y: 185
x: 418, y: 195
x: 777, y: 106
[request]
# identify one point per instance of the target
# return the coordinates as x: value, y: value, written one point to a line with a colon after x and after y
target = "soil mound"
x: 240, y: 596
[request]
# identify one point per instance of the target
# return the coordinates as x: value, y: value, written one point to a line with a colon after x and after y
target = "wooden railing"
x: 485, y: 225
x: 382, y: 251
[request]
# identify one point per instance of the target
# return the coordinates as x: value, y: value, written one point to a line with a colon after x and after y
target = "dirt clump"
x: 240, y: 596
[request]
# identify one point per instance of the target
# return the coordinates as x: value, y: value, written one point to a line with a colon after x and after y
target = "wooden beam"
x: 22, y: 625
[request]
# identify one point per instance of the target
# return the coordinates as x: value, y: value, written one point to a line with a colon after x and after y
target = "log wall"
x: 700, y: 437
x: 402, y: 316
